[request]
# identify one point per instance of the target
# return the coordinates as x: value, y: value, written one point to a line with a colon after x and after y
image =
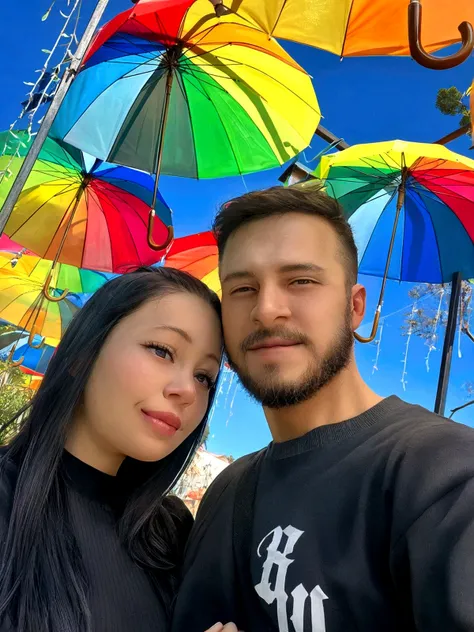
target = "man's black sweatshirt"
x: 365, y: 525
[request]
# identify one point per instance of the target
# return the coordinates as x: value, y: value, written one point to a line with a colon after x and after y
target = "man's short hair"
x: 309, y: 199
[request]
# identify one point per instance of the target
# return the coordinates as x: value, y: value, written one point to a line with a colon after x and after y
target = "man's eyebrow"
x: 187, y: 337
x: 238, y: 274
x: 301, y: 267
x: 290, y: 267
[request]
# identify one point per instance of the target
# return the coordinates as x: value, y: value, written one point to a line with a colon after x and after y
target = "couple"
x: 358, y: 516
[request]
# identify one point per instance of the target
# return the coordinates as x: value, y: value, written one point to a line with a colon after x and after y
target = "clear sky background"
x: 362, y: 100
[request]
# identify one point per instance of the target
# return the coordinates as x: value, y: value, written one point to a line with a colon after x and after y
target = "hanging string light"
x: 431, y: 342
x: 378, y: 345
x: 414, y: 310
x: 42, y: 90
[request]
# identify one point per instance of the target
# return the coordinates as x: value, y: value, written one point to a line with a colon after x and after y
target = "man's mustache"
x: 261, y: 335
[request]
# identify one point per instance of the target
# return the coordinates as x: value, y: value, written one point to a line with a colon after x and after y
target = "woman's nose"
x: 182, y: 388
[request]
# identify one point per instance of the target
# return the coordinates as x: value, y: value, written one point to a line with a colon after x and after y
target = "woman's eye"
x: 160, y: 351
x: 206, y: 380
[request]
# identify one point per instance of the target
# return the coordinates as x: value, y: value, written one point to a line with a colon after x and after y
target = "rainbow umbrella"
x: 167, y: 89
x: 196, y: 254
x: 411, y: 207
x: 62, y: 276
x: 83, y: 212
x: 23, y: 303
x: 364, y: 27
x: 15, y: 348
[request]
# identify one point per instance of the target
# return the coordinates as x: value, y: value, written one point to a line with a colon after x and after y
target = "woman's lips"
x: 166, y: 424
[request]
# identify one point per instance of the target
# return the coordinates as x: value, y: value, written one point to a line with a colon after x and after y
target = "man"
x: 359, y: 516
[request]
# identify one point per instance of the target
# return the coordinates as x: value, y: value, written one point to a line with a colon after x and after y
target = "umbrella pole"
x: 440, y: 403
x: 47, y: 294
x: 159, y: 159
x: 66, y: 81
x: 400, y: 203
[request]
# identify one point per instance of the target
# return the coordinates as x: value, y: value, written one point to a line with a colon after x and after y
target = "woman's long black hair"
x: 43, y: 587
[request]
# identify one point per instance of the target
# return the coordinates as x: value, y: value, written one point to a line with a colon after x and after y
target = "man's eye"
x: 242, y: 290
x: 303, y: 282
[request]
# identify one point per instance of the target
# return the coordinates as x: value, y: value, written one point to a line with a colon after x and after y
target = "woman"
x: 89, y: 542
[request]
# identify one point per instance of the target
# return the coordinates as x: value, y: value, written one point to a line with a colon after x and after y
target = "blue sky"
x: 362, y: 100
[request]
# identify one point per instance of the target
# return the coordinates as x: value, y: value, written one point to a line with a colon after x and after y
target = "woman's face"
x: 149, y: 388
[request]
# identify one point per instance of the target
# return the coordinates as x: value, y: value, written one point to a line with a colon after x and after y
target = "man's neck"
x: 345, y: 397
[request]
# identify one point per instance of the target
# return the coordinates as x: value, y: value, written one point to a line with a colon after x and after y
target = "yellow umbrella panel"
x: 23, y: 303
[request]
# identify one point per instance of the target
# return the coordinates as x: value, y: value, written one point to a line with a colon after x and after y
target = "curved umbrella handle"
x: 430, y: 61
x: 32, y: 344
x: 375, y: 327
x: 151, y: 242
x: 47, y: 294
x: 14, y: 363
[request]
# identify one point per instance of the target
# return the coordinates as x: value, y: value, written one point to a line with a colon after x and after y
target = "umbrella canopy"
x: 420, y: 195
x: 62, y: 277
x: 196, y: 254
x: 14, y: 347
x: 23, y: 303
x: 80, y: 211
x: 356, y: 27
x: 168, y: 89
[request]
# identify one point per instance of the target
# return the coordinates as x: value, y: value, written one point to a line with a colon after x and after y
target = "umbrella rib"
x: 225, y: 130
x: 186, y: 100
x: 376, y: 224
x: 261, y: 72
x: 432, y: 225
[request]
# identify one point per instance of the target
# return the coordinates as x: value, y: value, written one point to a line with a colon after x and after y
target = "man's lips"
x: 167, y: 418
x: 272, y: 343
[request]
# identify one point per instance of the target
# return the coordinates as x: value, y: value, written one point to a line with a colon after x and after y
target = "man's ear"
x: 359, y: 303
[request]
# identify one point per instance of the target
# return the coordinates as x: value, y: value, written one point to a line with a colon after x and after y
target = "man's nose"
x: 271, y: 307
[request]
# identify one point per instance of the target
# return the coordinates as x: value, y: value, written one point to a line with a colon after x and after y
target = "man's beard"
x: 272, y: 392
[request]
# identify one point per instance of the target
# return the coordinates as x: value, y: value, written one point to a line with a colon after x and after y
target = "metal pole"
x: 445, y: 369
x: 66, y: 81
x: 329, y: 137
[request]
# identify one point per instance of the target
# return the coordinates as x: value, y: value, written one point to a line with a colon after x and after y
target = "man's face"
x: 287, y: 310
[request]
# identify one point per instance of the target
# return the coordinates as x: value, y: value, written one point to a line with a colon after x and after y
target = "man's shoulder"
x: 223, y: 486
x: 415, y: 427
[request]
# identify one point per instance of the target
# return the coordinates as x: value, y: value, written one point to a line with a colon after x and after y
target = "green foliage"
x: 452, y: 102
x: 14, y: 394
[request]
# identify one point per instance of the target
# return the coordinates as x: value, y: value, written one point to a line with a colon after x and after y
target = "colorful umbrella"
x: 167, y: 89
x: 15, y: 348
x: 23, y: 303
x: 83, y: 212
x: 411, y: 207
x: 196, y: 254
x: 365, y: 27
x: 62, y: 277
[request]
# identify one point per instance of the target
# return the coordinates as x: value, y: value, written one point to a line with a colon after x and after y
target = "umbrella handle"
x: 375, y: 327
x: 430, y: 61
x: 14, y: 363
x: 47, y: 294
x: 32, y: 344
x: 151, y: 242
